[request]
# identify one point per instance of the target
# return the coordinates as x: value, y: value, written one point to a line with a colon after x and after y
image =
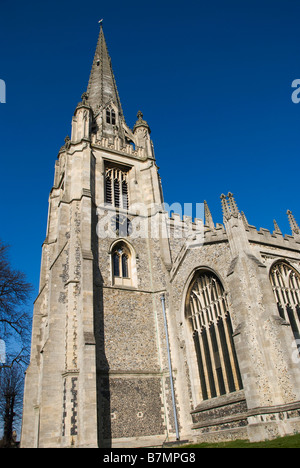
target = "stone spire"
x: 102, y: 88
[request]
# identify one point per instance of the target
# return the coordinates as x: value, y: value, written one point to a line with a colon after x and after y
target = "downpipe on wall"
x: 162, y: 298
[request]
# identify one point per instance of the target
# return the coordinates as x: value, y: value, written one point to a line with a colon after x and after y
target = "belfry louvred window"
x: 208, y: 314
x: 116, y: 188
x: 285, y: 282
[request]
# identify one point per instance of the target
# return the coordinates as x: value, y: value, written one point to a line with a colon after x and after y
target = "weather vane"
x: 100, y: 22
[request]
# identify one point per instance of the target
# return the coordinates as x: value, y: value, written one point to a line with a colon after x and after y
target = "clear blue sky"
x: 212, y: 78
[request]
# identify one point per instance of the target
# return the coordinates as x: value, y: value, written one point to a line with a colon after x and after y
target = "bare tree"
x: 11, y: 399
x: 15, y: 322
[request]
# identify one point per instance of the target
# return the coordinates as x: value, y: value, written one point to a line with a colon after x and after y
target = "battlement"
x: 264, y: 236
x: 212, y: 233
x: 198, y: 227
x: 261, y: 236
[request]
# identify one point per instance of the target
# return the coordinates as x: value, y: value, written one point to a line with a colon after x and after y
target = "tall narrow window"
x: 125, y: 194
x: 116, y: 263
x: 207, y: 312
x: 122, y: 265
x: 110, y: 117
x: 113, y: 117
x: 108, y: 190
x: 116, y: 188
x: 117, y: 192
x: 285, y: 281
x: 125, y: 272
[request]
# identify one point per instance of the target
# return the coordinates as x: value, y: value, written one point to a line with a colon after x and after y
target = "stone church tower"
x: 149, y: 328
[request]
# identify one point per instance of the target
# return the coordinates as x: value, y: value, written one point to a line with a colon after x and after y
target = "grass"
x: 282, y: 442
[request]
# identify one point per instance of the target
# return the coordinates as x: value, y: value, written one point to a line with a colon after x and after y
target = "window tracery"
x: 285, y: 282
x: 122, y: 265
x: 120, y: 262
x: 208, y: 314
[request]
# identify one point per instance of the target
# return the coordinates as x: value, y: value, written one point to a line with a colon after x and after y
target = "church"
x: 150, y: 326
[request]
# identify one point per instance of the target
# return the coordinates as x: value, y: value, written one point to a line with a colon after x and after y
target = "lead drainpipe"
x: 162, y: 298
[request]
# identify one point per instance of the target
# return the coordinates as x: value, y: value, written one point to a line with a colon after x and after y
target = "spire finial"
x: 294, y: 226
x: 245, y: 220
x: 84, y: 97
x: 276, y: 227
x: 208, y: 217
x: 229, y: 206
x: 140, y: 122
x: 233, y: 206
x: 67, y: 142
x: 101, y: 23
x: 225, y: 207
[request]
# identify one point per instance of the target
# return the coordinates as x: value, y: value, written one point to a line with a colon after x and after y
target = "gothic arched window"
x: 285, y: 282
x: 208, y: 314
x: 116, y: 187
x: 121, y: 264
